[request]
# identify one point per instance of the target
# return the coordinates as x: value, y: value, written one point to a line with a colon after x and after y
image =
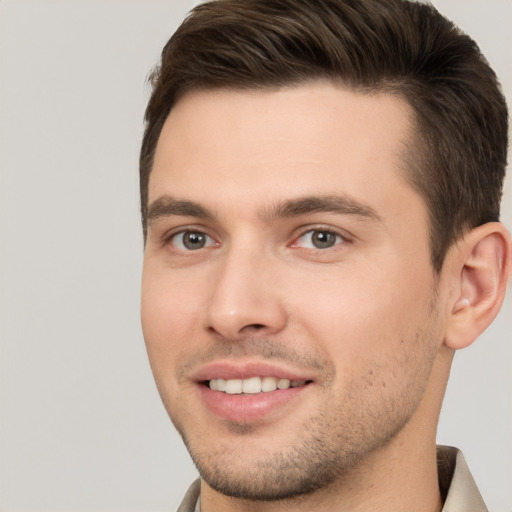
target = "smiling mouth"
x: 253, y: 385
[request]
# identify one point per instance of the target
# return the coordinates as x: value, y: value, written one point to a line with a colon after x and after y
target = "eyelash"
x: 340, y: 239
x: 174, y: 236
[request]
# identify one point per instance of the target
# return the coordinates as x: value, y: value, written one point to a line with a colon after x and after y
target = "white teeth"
x: 268, y: 384
x: 233, y: 386
x: 218, y: 384
x: 283, y: 384
x: 253, y: 385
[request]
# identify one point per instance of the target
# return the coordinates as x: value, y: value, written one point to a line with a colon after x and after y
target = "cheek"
x: 379, y: 339
x: 363, y: 312
x: 169, y: 312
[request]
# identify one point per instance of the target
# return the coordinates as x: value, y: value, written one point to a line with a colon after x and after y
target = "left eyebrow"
x: 337, y: 204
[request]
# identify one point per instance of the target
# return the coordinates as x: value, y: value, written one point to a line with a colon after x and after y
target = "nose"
x: 245, y: 301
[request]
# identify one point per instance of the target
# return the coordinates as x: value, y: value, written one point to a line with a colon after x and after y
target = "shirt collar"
x: 458, y: 488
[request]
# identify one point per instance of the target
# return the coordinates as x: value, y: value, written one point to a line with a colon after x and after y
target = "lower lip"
x: 247, y: 408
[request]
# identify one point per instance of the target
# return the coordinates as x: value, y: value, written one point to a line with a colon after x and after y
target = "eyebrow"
x: 167, y: 206
x: 337, y: 204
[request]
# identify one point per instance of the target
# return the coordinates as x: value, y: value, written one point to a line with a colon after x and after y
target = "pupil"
x: 193, y: 240
x: 323, y: 239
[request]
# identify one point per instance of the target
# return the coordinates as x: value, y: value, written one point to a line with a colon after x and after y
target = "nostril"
x: 247, y: 328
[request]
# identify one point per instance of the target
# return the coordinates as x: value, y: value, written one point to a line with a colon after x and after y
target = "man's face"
x: 285, y: 249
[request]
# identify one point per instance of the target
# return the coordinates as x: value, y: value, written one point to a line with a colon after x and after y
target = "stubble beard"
x: 324, y: 453
x: 314, y: 463
x: 324, y: 450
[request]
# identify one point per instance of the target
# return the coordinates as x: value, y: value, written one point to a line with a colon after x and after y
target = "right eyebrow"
x: 167, y: 206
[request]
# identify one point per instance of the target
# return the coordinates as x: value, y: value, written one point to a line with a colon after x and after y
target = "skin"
x: 365, y: 320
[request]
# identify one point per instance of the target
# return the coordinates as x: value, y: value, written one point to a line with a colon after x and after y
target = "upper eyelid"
x: 294, y: 244
x: 346, y: 235
x: 298, y: 232
x: 169, y: 233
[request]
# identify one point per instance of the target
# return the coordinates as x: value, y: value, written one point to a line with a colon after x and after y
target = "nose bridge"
x: 245, y: 300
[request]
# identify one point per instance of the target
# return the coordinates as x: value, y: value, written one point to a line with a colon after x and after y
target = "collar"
x: 456, y: 483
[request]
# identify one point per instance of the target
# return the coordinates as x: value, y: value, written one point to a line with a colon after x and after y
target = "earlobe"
x: 483, y: 267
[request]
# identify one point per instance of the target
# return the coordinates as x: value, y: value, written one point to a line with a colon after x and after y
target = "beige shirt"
x: 455, y: 481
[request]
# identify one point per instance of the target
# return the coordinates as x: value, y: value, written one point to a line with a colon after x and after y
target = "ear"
x: 482, y: 266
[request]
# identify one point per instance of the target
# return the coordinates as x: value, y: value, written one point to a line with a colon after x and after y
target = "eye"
x: 319, y: 239
x: 191, y: 240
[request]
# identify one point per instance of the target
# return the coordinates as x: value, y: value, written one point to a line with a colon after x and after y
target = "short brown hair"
x: 400, y: 47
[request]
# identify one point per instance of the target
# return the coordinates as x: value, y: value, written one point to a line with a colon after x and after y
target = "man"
x: 320, y: 187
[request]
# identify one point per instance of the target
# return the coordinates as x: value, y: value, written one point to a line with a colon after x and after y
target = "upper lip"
x: 246, y: 369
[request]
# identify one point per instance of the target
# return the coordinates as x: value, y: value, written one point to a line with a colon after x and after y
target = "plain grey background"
x: 81, y: 425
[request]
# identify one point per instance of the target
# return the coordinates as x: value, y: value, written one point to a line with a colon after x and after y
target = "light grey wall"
x: 81, y: 425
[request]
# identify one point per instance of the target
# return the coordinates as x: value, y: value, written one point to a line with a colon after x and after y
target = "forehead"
x: 315, y: 138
